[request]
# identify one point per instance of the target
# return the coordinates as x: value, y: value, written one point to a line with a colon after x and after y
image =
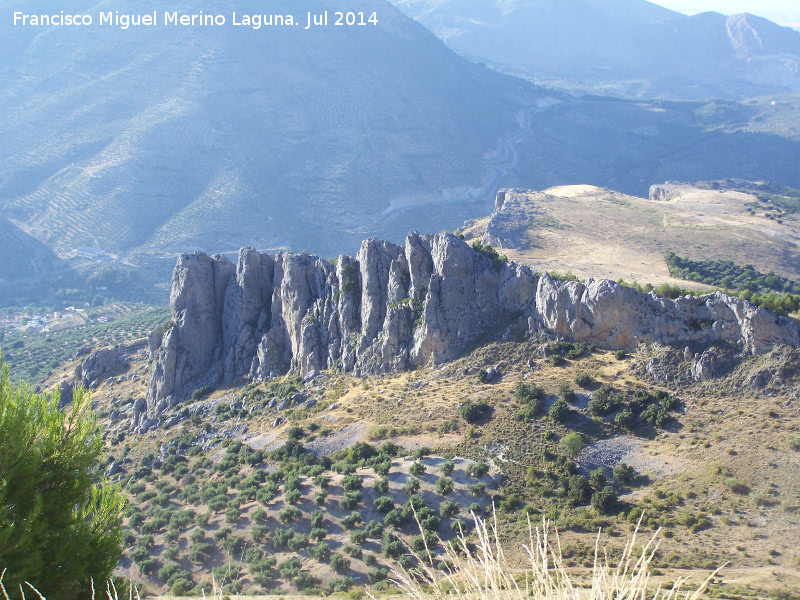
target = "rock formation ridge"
x: 394, y: 307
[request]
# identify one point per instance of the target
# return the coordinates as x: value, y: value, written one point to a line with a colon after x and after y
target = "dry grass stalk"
x: 484, y: 573
x: 111, y: 590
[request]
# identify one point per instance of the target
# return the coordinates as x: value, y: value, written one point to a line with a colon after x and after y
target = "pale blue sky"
x: 785, y: 12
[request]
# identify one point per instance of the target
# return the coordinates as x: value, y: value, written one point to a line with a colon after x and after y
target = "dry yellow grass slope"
x: 597, y: 232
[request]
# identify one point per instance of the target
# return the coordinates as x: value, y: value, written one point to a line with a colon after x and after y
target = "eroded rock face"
x: 662, y: 193
x: 613, y: 316
x: 103, y: 364
x: 393, y: 307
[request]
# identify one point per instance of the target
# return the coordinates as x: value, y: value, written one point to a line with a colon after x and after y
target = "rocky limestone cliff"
x: 397, y: 306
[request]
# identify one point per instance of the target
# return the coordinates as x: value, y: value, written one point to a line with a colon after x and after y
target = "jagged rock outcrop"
x: 662, y: 193
x: 513, y: 212
x: 396, y: 306
x: 105, y: 363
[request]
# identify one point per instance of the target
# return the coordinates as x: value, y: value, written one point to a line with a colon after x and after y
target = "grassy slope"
x: 720, y: 431
x: 597, y: 232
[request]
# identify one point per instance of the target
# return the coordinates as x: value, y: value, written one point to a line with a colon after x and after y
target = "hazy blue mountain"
x: 173, y: 138
x: 622, y: 47
x: 153, y: 141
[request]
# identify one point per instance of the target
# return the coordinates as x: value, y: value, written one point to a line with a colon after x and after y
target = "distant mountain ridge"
x: 148, y: 143
x: 622, y: 47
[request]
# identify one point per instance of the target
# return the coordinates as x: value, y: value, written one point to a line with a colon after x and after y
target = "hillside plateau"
x: 599, y: 232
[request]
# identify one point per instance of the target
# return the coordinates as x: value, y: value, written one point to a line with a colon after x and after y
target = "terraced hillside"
x: 212, y: 138
x: 286, y: 485
x: 34, y: 355
x: 221, y: 136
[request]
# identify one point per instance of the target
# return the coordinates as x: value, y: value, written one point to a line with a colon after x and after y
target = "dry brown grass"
x: 484, y: 573
x: 596, y: 232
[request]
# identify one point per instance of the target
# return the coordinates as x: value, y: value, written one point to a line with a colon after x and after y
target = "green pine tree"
x: 59, y: 527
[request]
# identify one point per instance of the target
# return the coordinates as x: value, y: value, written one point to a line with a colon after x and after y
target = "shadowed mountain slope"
x: 148, y: 142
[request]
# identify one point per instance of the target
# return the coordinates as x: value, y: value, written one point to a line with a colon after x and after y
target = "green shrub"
x: 350, y: 500
x: 358, y: 536
x: 232, y: 515
x: 476, y: 489
x: 625, y: 418
x: 381, y: 485
x: 297, y: 542
x: 281, y: 537
x: 392, y: 547
x: 449, y: 509
x: 351, y: 482
x: 374, y: 529
x: 396, y: 518
x: 793, y: 441
x: 604, y: 401
x: 289, y: 514
x: 736, y: 487
x: 417, y: 468
x: 341, y: 584
x: 382, y: 468
x: 260, y: 533
x: 559, y: 411
x: 339, y: 563
x: 620, y: 354
x: 317, y: 518
x: 411, y: 486
x: 477, y: 470
x: 445, y: 486
x: 578, y: 489
x: 321, y: 552
x: 566, y: 392
x: 200, y: 552
x: 447, y: 468
x: 597, y: 478
x: 654, y: 415
x: 584, y: 380
x: 51, y: 512
x: 530, y: 395
x: 623, y: 473
x: 571, y: 444
x: 379, y: 432
x: 604, y: 501
x: 351, y: 521
x: 304, y: 581
x: 383, y: 504
x: 473, y: 412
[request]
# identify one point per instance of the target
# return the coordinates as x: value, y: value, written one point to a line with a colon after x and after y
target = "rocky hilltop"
x: 393, y: 307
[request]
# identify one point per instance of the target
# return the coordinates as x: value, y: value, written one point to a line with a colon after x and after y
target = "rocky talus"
x: 393, y: 307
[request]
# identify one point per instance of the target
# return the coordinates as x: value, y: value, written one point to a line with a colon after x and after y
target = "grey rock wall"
x: 393, y: 307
